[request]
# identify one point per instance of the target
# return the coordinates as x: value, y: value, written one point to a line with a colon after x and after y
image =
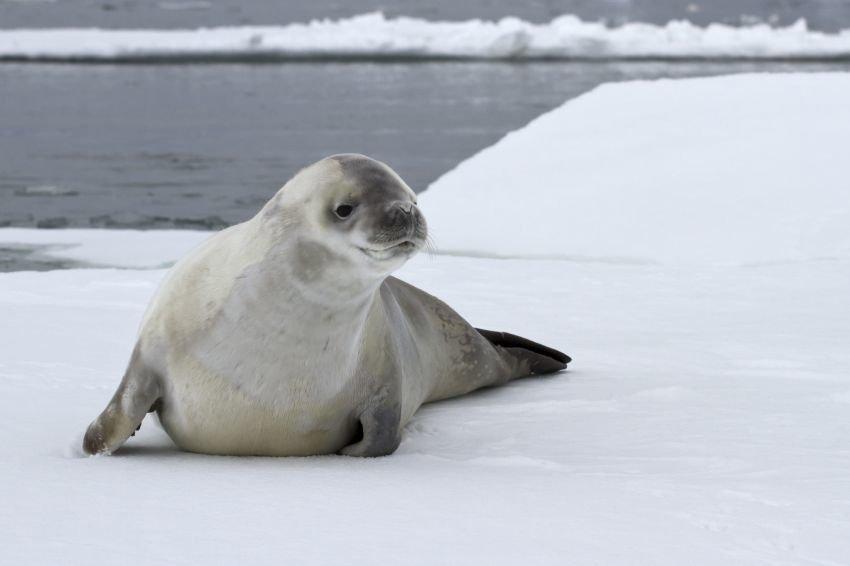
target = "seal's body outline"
x: 286, y: 335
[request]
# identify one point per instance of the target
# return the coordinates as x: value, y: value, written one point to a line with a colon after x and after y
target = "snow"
x: 703, y: 421
x: 700, y: 424
x: 375, y: 36
x: 745, y: 168
x: 116, y: 248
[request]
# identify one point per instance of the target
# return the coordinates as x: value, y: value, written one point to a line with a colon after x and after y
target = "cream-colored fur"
x: 284, y: 335
x: 258, y: 359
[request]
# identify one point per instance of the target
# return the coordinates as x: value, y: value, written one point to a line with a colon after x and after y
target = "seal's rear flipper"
x: 540, y: 359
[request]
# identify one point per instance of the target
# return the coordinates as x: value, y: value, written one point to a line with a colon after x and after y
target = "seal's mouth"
x: 405, y: 247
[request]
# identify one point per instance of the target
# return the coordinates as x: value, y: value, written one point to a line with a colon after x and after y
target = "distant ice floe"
x: 374, y: 36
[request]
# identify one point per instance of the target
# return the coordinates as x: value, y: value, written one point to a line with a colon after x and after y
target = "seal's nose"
x: 400, y: 220
x: 401, y: 209
x: 400, y: 216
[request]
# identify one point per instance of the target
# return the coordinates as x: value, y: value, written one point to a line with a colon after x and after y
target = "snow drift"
x: 745, y: 168
x: 375, y: 36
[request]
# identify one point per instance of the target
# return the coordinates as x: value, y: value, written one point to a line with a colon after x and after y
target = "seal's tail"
x: 531, y: 358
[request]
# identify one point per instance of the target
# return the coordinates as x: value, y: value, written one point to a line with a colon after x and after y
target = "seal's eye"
x: 344, y: 210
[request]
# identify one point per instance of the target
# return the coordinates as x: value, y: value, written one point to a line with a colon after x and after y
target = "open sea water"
x: 204, y: 145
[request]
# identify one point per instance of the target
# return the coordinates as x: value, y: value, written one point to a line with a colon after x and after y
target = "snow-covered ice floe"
x: 376, y: 36
x: 703, y: 421
x: 744, y: 168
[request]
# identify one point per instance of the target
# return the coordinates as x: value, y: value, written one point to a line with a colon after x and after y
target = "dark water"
x: 203, y: 146
x: 19, y: 257
x: 827, y: 15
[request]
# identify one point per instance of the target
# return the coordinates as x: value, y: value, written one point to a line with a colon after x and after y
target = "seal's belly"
x: 208, y: 414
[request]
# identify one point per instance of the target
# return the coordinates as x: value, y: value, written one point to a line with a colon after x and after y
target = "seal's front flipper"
x: 529, y: 358
x: 137, y: 395
x: 380, y: 427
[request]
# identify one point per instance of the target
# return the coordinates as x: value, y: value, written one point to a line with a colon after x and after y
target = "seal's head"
x: 353, y: 210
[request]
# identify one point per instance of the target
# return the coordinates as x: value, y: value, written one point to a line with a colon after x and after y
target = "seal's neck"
x: 303, y: 292
x: 299, y: 280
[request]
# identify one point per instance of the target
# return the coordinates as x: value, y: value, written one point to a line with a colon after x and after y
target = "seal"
x: 286, y: 335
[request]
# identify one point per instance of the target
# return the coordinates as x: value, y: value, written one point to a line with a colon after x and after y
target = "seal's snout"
x: 399, y: 213
x: 403, y: 220
x: 399, y: 230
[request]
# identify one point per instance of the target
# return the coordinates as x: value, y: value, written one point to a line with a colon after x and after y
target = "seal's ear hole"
x: 344, y: 210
